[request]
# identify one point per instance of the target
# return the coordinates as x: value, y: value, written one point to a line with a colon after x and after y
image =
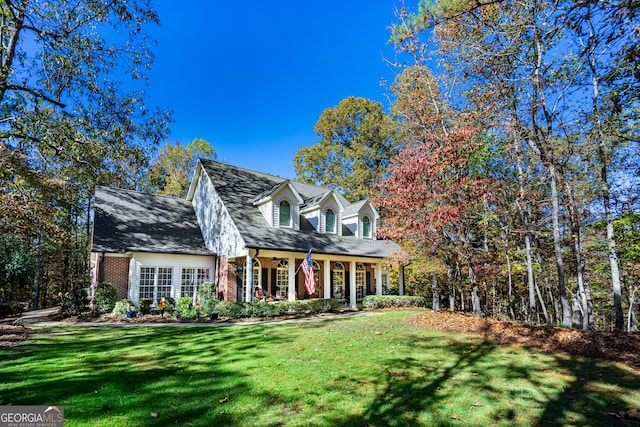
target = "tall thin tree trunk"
x: 451, y: 287
x: 543, y: 306
x: 436, y: 295
x: 631, y: 320
x: 36, y: 280
x: 510, y: 296
x: 557, y: 246
x: 604, y: 165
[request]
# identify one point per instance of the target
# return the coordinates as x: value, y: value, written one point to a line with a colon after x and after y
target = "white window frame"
x: 366, y: 230
x: 196, y: 277
x: 338, y: 281
x: 361, y: 280
x: 282, y: 279
x: 257, y: 275
x: 330, y: 213
x: 285, y: 202
x: 162, y: 278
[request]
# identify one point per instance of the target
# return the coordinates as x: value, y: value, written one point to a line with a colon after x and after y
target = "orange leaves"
x: 619, y: 346
x: 431, y: 186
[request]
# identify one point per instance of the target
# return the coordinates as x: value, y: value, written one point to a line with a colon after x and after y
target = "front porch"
x: 279, y: 277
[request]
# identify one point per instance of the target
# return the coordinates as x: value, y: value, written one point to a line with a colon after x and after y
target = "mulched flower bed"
x: 616, y: 346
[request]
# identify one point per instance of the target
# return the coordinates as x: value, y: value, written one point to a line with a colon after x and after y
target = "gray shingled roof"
x: 142, y: 222
x: 238, y: 188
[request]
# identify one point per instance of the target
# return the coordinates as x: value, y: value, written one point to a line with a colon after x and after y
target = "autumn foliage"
x: 432, y: 186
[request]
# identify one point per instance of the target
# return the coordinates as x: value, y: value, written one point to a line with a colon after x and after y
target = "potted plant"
x: 131, y: 312
x: 210, y: 309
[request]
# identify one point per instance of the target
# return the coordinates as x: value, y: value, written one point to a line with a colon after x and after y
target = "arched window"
x: 285, y: 214
x: 361, y: 274
x: 366, y: 227
x: 282, y: 279
x: 338, y: 281
x: 330, y: 219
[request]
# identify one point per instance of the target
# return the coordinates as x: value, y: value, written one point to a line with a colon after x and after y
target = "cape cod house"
x: 243, y: 230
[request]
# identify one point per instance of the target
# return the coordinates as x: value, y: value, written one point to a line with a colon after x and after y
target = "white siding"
x: 286, y: 194
x: 175, y: 262
x: 218, y: 230
x: 267, y: 211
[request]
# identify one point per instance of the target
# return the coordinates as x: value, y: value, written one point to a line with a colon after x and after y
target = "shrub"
x: 10, y: 308
x: 121, y: 307
x: 75, y: 302
x: 231, y: 310
x: 185, y: 304
x: 209, y: 306
x: 171, y: 306
x: 386, y: 301
x: 207, y: 291
x: 145, y: 305
x: 296, y: 307
x: 105, y: 298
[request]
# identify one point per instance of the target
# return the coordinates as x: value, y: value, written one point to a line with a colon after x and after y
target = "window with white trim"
x: 330, y: 221
x: 192, y: 278
x: 256, y: 278
x: 155, y: 283
x: 282, y: 279
x: 147, y: 282
x: 366, y: 227
x: 361, y: 274
x: 338, y: 281
x: 285, y: 214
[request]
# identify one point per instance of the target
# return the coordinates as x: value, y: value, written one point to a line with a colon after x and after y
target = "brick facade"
x: 116, y: 271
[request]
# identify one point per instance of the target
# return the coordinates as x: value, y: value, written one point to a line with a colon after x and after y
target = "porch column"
x: 248, y: 277
x: 327, y: 279
x: 291, y: 291
x: 401, y: 280
x: 352, y: 284
x: 378, y: 268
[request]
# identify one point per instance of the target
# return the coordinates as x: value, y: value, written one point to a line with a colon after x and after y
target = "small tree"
x: 106, y: 298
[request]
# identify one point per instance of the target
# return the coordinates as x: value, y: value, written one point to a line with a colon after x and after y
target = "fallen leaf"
x: 224, y: 400
x: 454, y: 417
x: 154, y: 415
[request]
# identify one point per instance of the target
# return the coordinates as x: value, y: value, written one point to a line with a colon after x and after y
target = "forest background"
x: 506, y: 162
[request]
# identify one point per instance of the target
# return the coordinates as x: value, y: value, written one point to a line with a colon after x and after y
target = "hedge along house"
x: 243, y: 230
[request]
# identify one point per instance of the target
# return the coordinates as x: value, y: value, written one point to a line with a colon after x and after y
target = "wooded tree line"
x: 515, y: 187
x: 73, y: 116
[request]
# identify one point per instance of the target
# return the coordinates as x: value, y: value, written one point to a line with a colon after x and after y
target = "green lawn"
x: 366, y: 371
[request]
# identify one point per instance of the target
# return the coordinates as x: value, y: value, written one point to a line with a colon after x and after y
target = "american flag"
x: 307, y: 267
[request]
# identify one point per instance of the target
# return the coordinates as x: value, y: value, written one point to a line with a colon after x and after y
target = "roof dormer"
x: 280, y: 205
x: 324, y: 212
x: 361, y: 219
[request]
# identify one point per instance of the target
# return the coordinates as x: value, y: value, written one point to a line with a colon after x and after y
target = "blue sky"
x: 253, y: 77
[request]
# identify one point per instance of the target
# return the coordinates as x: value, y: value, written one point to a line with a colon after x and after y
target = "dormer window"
x: 285, y: 214
x: 366, y: 227
x: 330, y: 218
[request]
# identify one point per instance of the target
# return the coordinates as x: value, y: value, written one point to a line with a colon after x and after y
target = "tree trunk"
x: 631, y: 319
x: 557, y: 246
x: 36, y: 280
x: 475, y: 296
x: 12, y: 45
x: 542, y: 304
x: 451, y: 287
x: 435, y: 293
x: 510, y: 295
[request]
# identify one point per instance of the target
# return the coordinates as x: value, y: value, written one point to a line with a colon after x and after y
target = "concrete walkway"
x: 40, y: 318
